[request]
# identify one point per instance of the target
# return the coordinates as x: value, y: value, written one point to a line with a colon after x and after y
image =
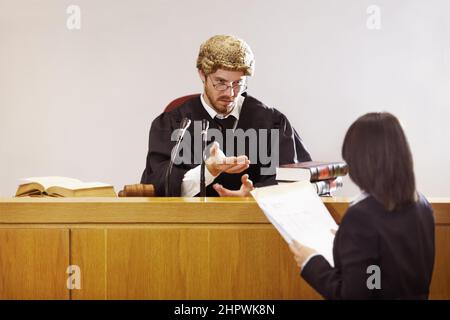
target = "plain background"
x: 79, y: 103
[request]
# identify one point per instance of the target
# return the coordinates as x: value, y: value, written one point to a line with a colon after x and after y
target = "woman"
x: 384, y: 248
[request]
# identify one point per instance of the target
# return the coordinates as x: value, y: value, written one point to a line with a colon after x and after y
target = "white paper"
x: 297, y: 212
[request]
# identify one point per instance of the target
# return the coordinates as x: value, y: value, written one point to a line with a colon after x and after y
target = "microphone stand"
x: 185, y: 123
x: 205, y: 126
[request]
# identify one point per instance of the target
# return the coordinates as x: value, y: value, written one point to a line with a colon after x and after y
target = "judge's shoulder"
x: 264, y: 112
x: 260, y: 106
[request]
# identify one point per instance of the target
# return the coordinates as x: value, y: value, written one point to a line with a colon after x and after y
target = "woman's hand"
x: 301, y: 252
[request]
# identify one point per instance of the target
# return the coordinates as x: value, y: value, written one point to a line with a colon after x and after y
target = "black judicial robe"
x: 254, y: 115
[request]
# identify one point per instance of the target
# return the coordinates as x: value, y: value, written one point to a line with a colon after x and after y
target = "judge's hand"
x: 301, y: 252
x: 218, y: 162
x: 244, y: 191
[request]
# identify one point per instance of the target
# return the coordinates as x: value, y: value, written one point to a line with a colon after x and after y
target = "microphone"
x: 185, y: 123
x: 205, y: 126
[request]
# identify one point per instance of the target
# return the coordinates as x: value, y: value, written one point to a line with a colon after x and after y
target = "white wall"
x: 79, y: 103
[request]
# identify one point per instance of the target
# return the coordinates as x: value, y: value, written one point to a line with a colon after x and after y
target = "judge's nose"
x: 230, y: 92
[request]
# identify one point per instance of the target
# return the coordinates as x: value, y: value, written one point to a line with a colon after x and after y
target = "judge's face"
x: 222, y: 88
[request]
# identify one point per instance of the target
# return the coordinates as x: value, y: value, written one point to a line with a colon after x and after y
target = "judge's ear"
x: 202, y: 75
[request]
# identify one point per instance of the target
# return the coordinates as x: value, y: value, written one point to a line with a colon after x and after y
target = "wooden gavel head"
x: 137, y: 190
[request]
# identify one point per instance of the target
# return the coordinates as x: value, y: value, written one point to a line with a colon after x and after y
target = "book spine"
x: 327, y: 187
x: 328, y: 172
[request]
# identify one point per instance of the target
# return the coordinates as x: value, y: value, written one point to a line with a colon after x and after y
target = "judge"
x: 224, y: 63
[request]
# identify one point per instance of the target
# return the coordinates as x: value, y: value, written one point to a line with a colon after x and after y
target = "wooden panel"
x: 157, y: 263
x: 202, y: 262
x: 245, y: 263
x: 254, y: 262
x: 441, y: 212
x: 440, y: 284
x: 33, y: 263
x: 88, y: 251
x: 292, y: 284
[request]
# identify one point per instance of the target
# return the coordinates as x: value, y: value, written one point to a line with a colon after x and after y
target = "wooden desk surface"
x: 159, y: 210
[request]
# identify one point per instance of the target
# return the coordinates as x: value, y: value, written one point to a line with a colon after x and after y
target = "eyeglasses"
x: 237, y: 86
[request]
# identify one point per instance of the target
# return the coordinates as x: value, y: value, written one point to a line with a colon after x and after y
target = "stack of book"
x: 326, y: 177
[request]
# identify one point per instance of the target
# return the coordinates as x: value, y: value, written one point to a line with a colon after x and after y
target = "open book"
x: 63, y: 187
x: 297, y: 212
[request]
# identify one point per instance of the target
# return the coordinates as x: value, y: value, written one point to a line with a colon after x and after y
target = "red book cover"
x: 311, y: 170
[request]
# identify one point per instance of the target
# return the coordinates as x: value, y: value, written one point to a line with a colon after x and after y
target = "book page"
x: 85, y: 185
x: 297, y: 212
x: 50, y: 181
x: 68, y: 183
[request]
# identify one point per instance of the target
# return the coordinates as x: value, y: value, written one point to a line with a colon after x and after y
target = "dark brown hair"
x: 379, y: 159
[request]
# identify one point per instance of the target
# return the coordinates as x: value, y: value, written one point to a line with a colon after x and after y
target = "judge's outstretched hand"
x: 244, y: 191
x: 218, y: 162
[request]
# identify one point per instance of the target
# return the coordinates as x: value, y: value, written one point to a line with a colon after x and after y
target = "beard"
x: 223, y: 104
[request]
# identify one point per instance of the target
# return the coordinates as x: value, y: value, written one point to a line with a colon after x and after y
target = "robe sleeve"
x: 158, y: 157
x: 291, y: 148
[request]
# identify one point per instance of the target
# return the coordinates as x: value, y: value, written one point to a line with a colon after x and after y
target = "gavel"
x: 137, y: 190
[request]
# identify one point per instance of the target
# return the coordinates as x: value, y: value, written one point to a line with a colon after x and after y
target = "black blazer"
x: 400, y: 243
